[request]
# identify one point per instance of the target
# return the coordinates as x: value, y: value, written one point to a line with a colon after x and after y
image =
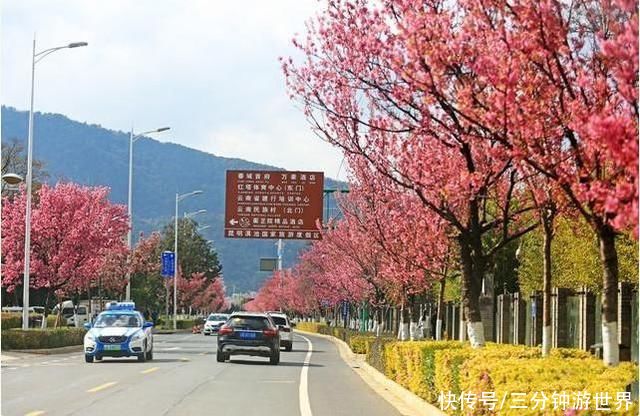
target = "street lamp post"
x: 35, y: 58
x: 175, y: 251
x: 132, y: 139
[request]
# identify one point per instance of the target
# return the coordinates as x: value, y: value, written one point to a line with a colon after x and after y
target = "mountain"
x: 92, y: 155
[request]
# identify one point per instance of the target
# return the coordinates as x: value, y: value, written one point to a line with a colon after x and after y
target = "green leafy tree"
x: 195, y: 253
x: 575, y: 260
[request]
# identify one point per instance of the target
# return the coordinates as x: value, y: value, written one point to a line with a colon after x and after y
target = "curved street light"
x: 175, y: 251
x: 132, y: 139
x: 193, y: 214
x: 35, y: 58
x: 12, y: 178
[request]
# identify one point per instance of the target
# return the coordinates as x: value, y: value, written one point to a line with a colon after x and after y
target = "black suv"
x: 249, y: 334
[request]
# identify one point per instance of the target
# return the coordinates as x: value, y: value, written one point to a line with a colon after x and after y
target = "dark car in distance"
x: 247, y: 333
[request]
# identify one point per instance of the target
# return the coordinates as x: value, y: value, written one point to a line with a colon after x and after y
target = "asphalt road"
x: 185, y: 379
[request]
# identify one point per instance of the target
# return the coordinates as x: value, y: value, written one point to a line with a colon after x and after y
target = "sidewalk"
x: 402, y: 399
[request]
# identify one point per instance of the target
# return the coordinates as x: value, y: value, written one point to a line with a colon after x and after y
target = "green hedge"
x: 180, y: 324
x: 18, y: 339
x: 184, y: 323
x: 10, y: 320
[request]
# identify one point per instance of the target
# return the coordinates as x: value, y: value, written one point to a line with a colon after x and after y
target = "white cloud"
x: 207, y: 68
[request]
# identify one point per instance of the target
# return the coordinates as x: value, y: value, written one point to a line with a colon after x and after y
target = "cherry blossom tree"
x: 556, y: 85
x: 202, y: 294
x: 369, y: 87
x: 73, y: 228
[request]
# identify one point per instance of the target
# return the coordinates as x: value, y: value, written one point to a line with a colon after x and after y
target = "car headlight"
x: 137, y: 336
x: 90, y: 337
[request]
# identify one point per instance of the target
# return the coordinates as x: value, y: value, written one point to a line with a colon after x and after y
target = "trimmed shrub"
x: 18, y: 339
x: 10, y: 320
x: 537, y: 376
x: 376, y: 355
x: 412, y: 365
x: 360, y: 344
x: 310, y: 326
x: 180, y: 324
x: 448, y: 362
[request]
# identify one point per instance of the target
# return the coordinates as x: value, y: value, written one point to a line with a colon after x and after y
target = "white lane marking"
x: 303, y: 391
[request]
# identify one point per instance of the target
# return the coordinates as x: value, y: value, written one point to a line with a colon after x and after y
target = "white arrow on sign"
x: 233, y: 221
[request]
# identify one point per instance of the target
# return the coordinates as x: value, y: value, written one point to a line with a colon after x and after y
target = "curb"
x: 48, y: 351
x: 406, y: 402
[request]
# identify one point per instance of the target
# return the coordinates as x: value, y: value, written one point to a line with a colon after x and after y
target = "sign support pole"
x: 280, y: 253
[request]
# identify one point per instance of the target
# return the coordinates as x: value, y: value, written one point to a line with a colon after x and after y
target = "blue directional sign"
x: 168, y: 263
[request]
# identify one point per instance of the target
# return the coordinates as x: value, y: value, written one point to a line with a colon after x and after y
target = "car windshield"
x: 214, y: 317
x: 249, y: 322
x: 278, y: 320
x: 118, y: 320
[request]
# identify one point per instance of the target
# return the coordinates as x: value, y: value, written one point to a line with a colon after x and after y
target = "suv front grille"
x: 112, y: 339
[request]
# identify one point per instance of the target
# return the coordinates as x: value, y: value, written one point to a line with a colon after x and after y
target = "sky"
x: 207, y: 68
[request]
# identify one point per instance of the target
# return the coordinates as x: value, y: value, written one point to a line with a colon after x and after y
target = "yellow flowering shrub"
x: 309, y: 326
x: 543, y: 385
x: 412, y: 365
x: 361, y: 344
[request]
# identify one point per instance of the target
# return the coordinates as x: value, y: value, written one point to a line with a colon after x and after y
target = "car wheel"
x: 221, y: 357
x: 142, y: 357
x: 288, y: 347
x: 275, y: 357
x: 88, y: 358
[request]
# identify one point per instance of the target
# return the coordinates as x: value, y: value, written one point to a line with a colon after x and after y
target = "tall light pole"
x: 175, y: 251
x: 35, y: 58
x: 132, y: 139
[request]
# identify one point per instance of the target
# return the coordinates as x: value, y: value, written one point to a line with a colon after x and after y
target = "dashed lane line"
x: 35, y: 413
x: 102, y: 387
x: 149, y: 370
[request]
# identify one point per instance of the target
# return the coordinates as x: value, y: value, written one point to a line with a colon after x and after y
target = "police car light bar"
x: 121, y: 306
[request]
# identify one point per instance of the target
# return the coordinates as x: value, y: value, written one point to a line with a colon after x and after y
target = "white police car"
x: 120, y: 331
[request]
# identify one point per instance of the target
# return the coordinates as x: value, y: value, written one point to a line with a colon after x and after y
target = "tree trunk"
x: 414, y: 317
x: 609, y: 257
x: 472, y: 273
x: 547, y: 224
x: 403, y: 328
x: 378, y: 325
x: 440, y: 311
x: 46, y: 309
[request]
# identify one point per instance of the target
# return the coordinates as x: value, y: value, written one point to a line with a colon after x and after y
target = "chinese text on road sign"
x: 168, y: 263
x: 273, y: 204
